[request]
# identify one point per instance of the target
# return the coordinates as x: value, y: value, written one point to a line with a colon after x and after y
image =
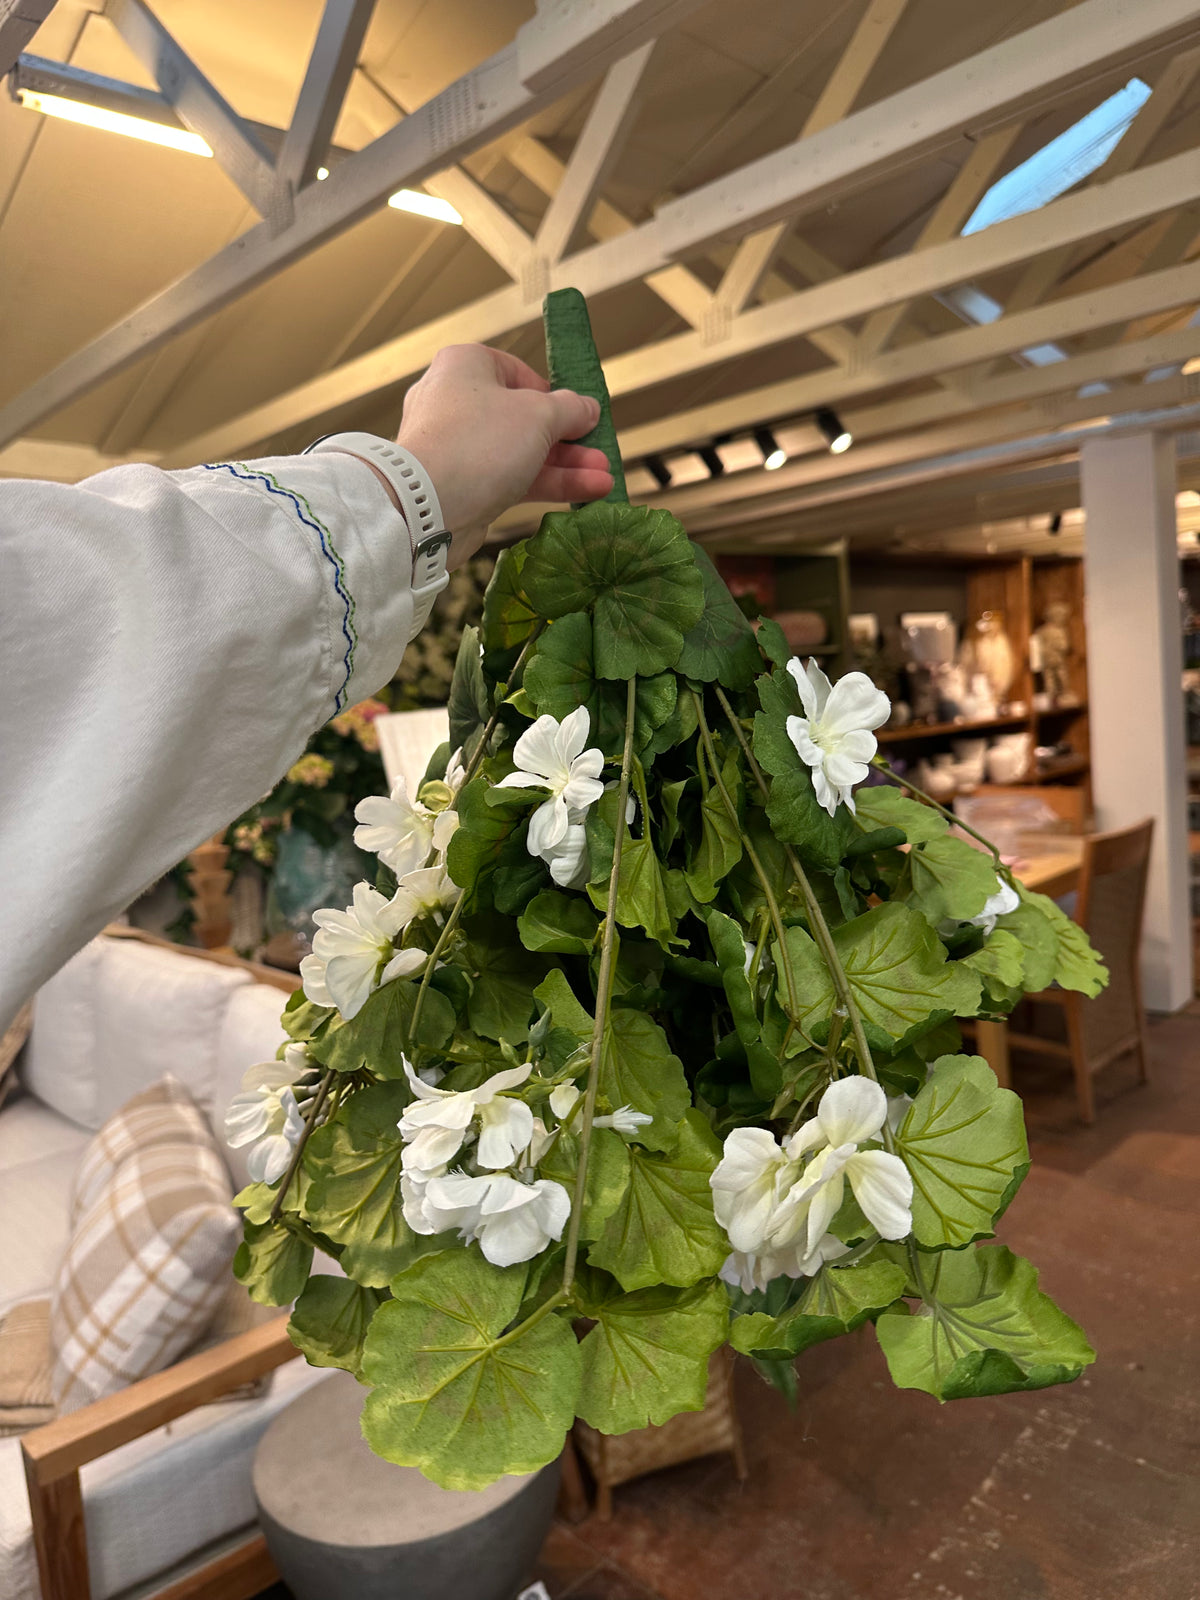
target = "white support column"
x: 1134, y: 663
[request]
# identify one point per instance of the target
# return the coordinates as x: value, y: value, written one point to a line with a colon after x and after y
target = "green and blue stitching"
x: 239, y: 470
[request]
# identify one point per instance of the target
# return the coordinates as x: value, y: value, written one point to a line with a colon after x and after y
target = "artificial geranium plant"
x: 647, y: 1036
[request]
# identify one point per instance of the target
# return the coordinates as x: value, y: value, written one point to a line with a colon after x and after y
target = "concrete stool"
x: 343, y: 1525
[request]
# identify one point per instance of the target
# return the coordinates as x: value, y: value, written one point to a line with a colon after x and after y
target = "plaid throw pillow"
x: 163, y: 1114
x: 146, y: 1267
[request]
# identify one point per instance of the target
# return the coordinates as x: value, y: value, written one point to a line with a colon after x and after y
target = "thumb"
x: 571, y: 415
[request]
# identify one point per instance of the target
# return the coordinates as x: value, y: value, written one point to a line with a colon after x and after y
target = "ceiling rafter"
x: 19, y: 21
x: 340, y: 34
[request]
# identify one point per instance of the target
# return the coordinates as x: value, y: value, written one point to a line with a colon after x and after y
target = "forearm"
x: 172, y: 640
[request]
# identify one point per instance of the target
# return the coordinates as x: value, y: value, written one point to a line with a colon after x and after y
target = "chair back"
x: 1110, y: 908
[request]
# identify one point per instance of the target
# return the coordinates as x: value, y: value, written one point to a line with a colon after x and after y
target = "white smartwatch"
x: 419, y: 507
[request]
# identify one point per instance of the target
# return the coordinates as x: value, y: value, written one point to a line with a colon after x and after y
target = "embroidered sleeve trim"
x: 306, y: 514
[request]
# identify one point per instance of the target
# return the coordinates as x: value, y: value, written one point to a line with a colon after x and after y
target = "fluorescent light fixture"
x: 773, y: 455
x: 1060, y: 165
x: 424, y: 205
x: 53, y: 105
x: 833, y: 431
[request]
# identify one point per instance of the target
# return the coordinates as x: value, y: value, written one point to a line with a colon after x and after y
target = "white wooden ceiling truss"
x: 731, y: 249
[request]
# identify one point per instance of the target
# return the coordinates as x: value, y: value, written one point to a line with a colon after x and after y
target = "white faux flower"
x: 624, y: 1120
x: 265, y: 1114
x: 749, y: 1181
x: 568, y: 860
x: 1004, y: 900
x: 564, y: 1099
x: 435, y: 1126
x: 455, y: 772
x: 851, y: 1112
x: 834, y: 737
x: 352, y: 954
x: 748, y: 1271
x: 513, y: 1221
x: 551, y: 755
x: 427, y: 889
x: 396, y: 829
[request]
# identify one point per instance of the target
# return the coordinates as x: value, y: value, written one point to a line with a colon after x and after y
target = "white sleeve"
x: 169, y: 642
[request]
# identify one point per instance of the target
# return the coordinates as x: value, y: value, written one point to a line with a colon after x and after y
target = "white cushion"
x: 156, y: 1012
x: 250, y: 1032
x: 155, y: 1501
x: 39, y: 1151
x: 59, y: 1062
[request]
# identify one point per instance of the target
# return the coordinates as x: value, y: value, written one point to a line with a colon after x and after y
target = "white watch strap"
x: 419, y: 506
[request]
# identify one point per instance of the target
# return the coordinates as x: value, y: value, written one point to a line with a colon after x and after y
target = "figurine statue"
x: 987, y: 649
x: 1052, y: 651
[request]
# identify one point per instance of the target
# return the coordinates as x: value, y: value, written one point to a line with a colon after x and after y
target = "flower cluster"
x: 268, y: 1112
x: 776, y: 1202
x: 835, y: 736
x: 312, y: 770
x: 402, y: 832
x: 358, y: 722
x: 551, y: 755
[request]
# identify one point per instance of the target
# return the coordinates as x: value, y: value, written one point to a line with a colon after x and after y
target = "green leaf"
x: 561, y: 923
x: 729, y: 947
x: 255, y: 1201
x: 508, y: 618
x: 558, y: 997
x: 773, y: 642
x: 468, y: 694
x: 632, y: 568
x: 794, y: 813
x: 607, y: 1178
x: 641, y: 894
x: 1000, y: 963
x: 896, y: 966
x: 679, y: 727
x: 330, y: 1322
x: 1076, y: 966
x: 719, y: 848
x: 382, y: 1031
x: 302, y: 1018
x: 1039, y: 945
x: 453, y: 1394
x: 989, y: 1330
x: 721, y: 646
x: 561, y: 676
x: 503, y: 977
x: 879, y: 805
x: 353, y: 1162
x: 963, y: 1141
x: 834, y: 1301
x: 484, y: 829
x: 637, y: 1069
x: 950, y: 879
x: 273, y: 1263
x: 664, y: 1230
x: 647, y: 1357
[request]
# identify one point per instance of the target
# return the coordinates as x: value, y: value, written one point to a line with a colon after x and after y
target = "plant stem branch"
x: 310, y: 1122
x: 884, y: 765
x: 604, y: 987
x: 752, y: 856
x: 443, y: 939
x: 534, y: 1317
x: 820, y: 930
x: 490, y: 725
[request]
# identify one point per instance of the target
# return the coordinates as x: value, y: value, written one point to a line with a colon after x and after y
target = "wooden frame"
x: 275, y: 976
x: 54, y: 1454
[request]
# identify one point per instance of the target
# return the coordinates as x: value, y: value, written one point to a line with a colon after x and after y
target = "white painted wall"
x: 1134, y: 663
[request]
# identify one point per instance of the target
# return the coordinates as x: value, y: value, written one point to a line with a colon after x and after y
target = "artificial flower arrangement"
x: 646, y: 1038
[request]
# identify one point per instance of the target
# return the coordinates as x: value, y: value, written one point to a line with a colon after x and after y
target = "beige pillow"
x: 26, y: 1398
x: 165, y: 1113
x: 12, y: 1042
x: 148, y: 1260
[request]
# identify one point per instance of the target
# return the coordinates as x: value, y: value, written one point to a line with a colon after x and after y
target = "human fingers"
x: 566, y: 454
x: 570, y: 483
x: 570, y: 415
x: 513, y: 372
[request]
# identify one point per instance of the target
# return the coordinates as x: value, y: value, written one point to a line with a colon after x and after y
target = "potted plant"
x: 649, y: 1028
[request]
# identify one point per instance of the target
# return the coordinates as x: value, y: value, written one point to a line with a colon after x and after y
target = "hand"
x: 490, y: 432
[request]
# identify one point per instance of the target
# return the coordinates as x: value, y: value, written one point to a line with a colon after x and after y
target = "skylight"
x: 1064, y: 162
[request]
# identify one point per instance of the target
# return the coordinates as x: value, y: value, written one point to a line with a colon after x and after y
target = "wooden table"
x: 1050, y: 865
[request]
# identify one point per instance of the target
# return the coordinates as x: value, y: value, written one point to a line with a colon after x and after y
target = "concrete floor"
x: 1089, y: 1492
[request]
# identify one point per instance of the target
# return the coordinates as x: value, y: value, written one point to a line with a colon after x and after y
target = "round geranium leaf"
x: 721, y: 647
x: 633, y: 568
x: 562, y: 675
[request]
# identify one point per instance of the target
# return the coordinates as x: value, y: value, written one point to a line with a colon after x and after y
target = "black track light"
x: 774, y: 455
x: 834, y: 433
x: 1056, y: 524
x: 659, y: 471
x: 708, y: 454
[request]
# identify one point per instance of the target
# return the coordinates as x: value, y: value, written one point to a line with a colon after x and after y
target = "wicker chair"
x: 1110, y: 905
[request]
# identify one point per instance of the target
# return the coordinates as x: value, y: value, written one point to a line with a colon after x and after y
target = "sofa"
x: 146, y: 1492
